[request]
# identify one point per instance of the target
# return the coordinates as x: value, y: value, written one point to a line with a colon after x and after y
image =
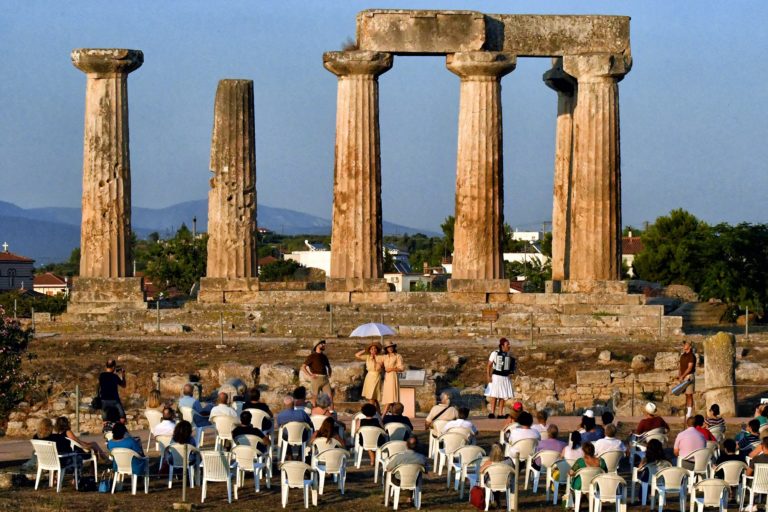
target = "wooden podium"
x: 410, y: 380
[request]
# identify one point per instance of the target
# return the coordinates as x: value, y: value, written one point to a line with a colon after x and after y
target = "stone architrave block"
x: 277, y: 375
x: 666, y: 361
x: 232, y: 370
x: 593, y: 378
x: 657, y: 377
x: 747, y: 370
x: 347, y: 374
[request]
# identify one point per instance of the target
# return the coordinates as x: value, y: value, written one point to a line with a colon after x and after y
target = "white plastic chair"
x: 499, y: 477
x: 668, y: 482
x: 639, y: 443
x: 546, y: 459
x: 224, y: 427
x: 87, y: 455
x: 732, y: 473
x: 524, y: 450
x: 383, y: 455
x: 410, y: 476
x: 563, y: 467
x: 701, y: 459
x: 177, y: 460
x: 755, y: 485
x: 257, y: 420
x: 191, y: 415
x: 48, y: 459
x: 397, y: 431
x: 435, y: 431
x: 612, y: 458
x: 608, y: 488
x: 447, y: 444
x: 298, y: 475
x: 465, y: 466
x: 586, y: 475
x: 718, y: 431
x: 710, y: 492
x: 250, y: 459
x: 162, y: 442
x: 154, y: 417
x: 332, y: 462
x: 317, y: 421
x: 355, y: 425
x: 293, y: 433
x: 650, y: 469
x: 367, y: 438
x: 237, y: 405
x: 216, y: 469
x: 123, y: 458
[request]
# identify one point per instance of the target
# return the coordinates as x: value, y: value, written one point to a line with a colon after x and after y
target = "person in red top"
x: 651, y: 421
x: 698, y: 424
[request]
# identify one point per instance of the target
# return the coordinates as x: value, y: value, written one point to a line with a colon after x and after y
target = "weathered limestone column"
x: 595, y: 253
x: 565, y: 86
x: 719, y: 372
x: 478, y: 265
x: 105, y: 283
x: 232, y: 266
x: 232, y: 250
x: 106, y: 225
x: 356, y: 238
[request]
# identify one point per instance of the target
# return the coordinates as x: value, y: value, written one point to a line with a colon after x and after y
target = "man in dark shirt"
x: 396, y: 415
x: 751, y: 435
x: 109, y: 381
x: 318, y: 369
x: 254, y: 402
x: 688, y: 372
x: 246, y: 429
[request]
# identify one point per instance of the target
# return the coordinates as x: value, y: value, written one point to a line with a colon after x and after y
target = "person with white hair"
x: 222, y: 407
x: 651, y: 420
x: 442, y: 411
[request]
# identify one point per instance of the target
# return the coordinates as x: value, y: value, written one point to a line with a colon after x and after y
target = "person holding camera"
x: 109, y: 382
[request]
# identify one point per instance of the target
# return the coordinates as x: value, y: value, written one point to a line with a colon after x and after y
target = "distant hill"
x: 49, y: 234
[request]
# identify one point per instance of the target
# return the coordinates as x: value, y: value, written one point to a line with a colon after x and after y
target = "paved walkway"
x: 17, y: 450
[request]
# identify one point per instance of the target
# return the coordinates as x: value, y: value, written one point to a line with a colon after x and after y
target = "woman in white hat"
x: 393, y: 363
x: 374, y: 366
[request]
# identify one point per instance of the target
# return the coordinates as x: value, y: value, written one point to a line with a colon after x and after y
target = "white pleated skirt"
x: 500, y: 387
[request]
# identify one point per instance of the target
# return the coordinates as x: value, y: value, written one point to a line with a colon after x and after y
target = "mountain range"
x: 49, y: 234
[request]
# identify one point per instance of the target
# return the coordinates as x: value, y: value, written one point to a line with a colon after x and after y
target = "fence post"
x: 221, y: 327
x: 746, y: 324
x: 33, y: 319
x: 77, y: 409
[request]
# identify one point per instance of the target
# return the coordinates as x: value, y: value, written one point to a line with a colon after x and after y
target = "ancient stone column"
x: 719, y: 372
x: 106, y: 217
x: 595, y: 252
x: 232, y: 251
x: 565, y: 86
x: 478, y: 264
x: 356, y: 238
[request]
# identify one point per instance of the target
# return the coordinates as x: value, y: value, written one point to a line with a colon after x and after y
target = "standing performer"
x: 688, y: 372
x: 393, y: 363
x: 501, y: 365
x: 374, y: 366
x: 318, y: 369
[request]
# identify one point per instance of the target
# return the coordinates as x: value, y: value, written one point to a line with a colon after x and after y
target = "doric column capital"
x: 558, y: 80
x: 364, y: 63
x: 107, y: 62
x: 480, y: 65
x: 598, y: 67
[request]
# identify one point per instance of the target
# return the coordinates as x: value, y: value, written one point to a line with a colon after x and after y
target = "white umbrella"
x: 372, y: 329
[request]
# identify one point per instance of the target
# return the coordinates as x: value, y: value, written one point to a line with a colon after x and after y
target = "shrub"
x: 14, y: 384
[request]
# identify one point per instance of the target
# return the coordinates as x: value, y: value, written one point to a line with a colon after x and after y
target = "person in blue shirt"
x: 187, y: 400
x: 121, y: 439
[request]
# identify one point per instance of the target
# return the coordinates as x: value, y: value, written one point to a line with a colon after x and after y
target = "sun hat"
x: 589, y: 413
x: 389, y: 343
x: 650, y: 408
x: 318, y: 342
x: 373, y: 344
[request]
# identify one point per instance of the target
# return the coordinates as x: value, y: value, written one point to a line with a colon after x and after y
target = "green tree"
x: 179, y: 261
x: 14, y: 383
x: 448, y: 226
x: 283, y: 270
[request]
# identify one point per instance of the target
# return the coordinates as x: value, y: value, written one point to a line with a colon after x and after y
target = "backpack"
x: 477, y: 497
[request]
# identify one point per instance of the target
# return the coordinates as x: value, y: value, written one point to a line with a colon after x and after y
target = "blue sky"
x: 692, y: 108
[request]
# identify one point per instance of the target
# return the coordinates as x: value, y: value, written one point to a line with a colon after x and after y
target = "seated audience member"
x: 609, y: 442
x: 154, y: 401
x: 540, y: 425
x: 728, y: 452
x: 607, y: 419
x: 573, y: 450
x: 514, y: 413
x: 45, y: 433
x: 654, y: 453
x: 550, y: 442
x: 523, y: 431
x: 750, y: 436
x: 222, y: 407
x: 111, y: 418
x: 713, y: 419
x: 328, y: 431
x: 187, y: 400
x: 322, y: 406
x: 370, y: 420
x: 651, y: 420
x: 166, y: 425
x: 688, y: 441
x: 254, y: 402
x: 588, y: 460
x: 247, y: 429
x: 396, y: 415
x: 294, y: 410
x: 760, y: 457
x: 121, y: 439
x: 591, y: 432
x: 462, y: 422
x: 182, y: 435
x: 495, y: 455
x: 63, y: 428
x: 698, y: 423
x: 761, y: 414
x: 442, y: 411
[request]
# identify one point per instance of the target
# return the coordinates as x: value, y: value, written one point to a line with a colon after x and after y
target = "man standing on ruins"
x: 318, y: 369
x: 688, y: 372
x: 501, y: 366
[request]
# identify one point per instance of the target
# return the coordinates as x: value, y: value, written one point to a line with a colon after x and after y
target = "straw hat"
x: 373, y: 344
x: 389, y: 343
x: 318, y: 342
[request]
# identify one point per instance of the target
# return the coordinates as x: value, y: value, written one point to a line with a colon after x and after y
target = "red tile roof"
x: 631, y: 245
x: 9, y: 256
x: 267, y: 260
x: 48, y: 279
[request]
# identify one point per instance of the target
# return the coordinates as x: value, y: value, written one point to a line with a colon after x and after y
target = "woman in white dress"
x: 374, y: 367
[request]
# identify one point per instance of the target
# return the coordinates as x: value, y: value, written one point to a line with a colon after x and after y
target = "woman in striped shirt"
x: 713, y: 419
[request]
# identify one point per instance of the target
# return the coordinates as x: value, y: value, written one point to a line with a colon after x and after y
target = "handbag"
x: 104, y: 481
x: 96, y: 401
x: 477, y: 497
